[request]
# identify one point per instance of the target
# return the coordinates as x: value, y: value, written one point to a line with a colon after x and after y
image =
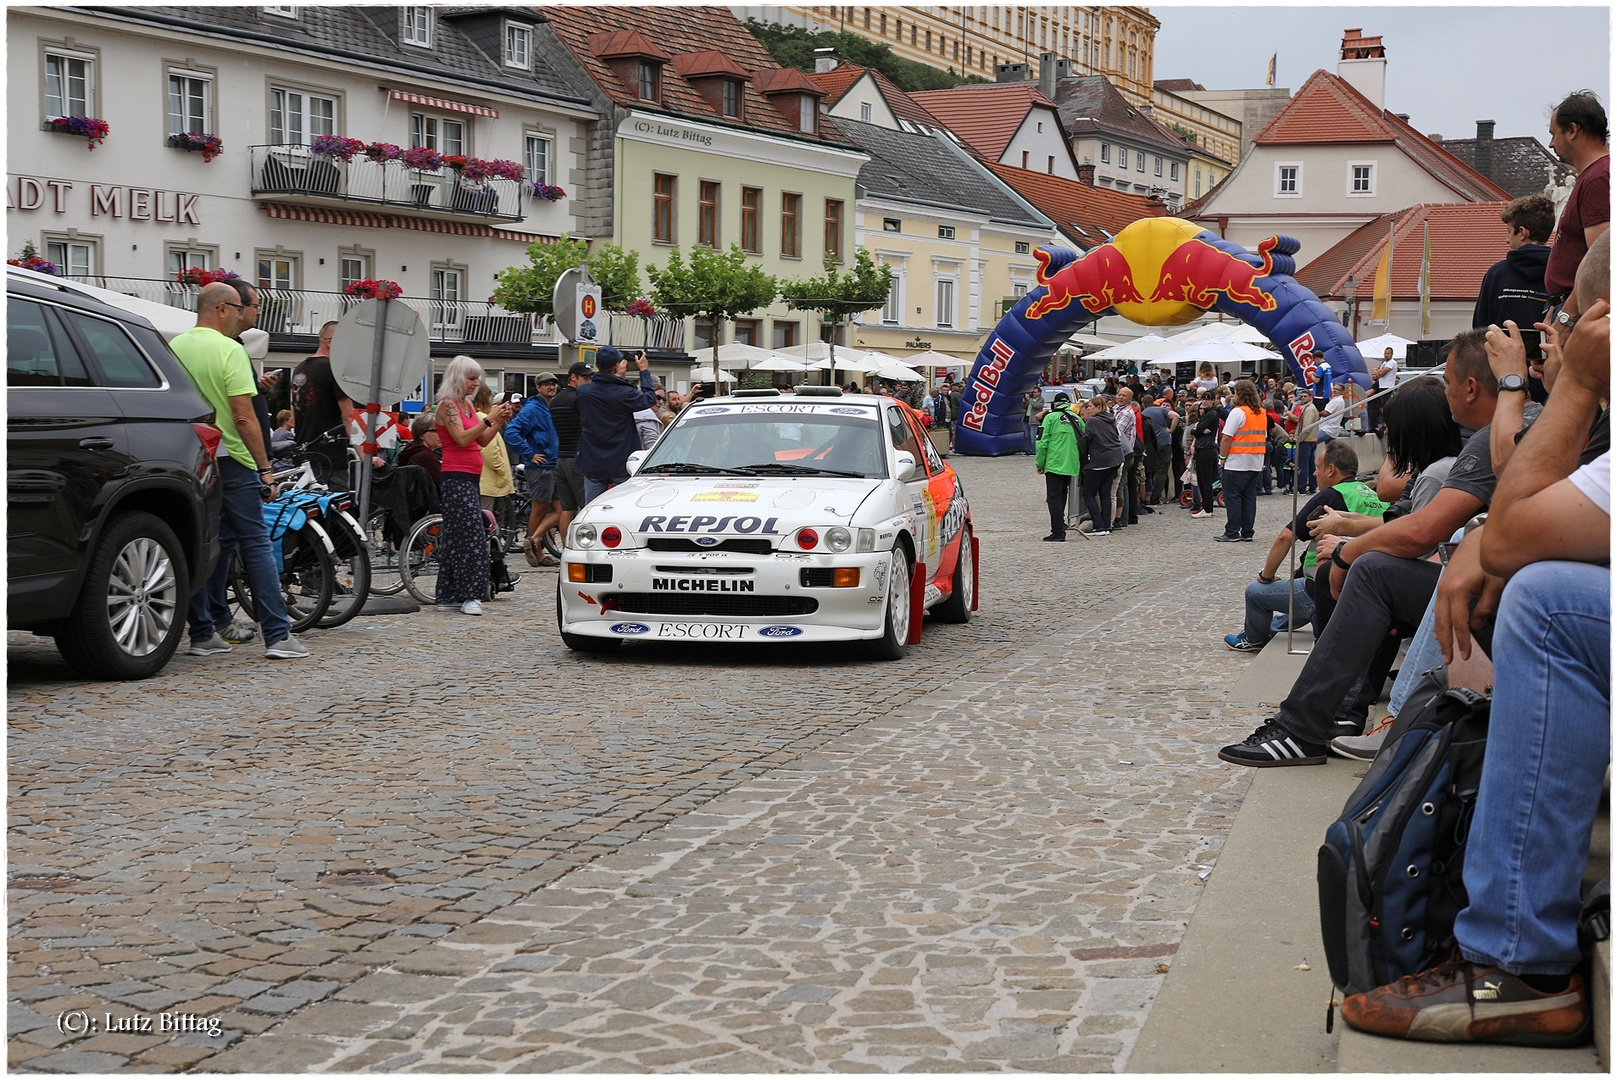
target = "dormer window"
x: 418, y: 27
x: 518, y: 46
x: 650, y: 81
x: 807, y: 113
x: 732, y: 99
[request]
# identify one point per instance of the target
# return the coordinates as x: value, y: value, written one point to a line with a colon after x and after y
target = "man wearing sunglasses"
x: 222, y: 373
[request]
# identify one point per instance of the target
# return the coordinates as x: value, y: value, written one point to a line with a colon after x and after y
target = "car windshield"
x: 772, y: 439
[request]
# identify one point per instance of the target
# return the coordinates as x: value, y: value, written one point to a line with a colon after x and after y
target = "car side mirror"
x: 635, y: 459
x: 906, y: 464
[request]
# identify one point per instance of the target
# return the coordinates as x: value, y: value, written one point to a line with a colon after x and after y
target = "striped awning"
x: 442, y: 103
x: 367, y: 220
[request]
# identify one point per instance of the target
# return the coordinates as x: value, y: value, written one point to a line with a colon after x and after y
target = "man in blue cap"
x: 606, y: 429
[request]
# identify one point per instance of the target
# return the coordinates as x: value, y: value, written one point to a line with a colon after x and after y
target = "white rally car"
x: 763, y: 516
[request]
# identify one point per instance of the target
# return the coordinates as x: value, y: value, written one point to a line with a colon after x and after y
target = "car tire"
x: 963, y: 586
x: 131, y: 609
x: 894, y: 642
x: 582, y: 642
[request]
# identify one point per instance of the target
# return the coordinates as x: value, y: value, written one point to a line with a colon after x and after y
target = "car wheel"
x: 894, y: 642
x: 581, y: 642
x: 963, y: 587
x: 130, y: 613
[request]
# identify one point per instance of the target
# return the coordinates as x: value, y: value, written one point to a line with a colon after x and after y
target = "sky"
x: 1447, y: 67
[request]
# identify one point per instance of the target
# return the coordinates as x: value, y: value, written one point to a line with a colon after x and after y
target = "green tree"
x: 793, y: 46
x: 715, y: 285
x: 836, y: 296
x: 531, y: 288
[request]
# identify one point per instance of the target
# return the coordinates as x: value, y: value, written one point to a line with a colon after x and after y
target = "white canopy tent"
x: 934, y: 359
x: 737, y: 354
x: 811, y: 350
x: 1140, y: 350
x: 1372, y: 348
x: 705, y: 373
x: 776, y: 362
x: 851, y: 361
x: 1090, y: 341
x: 895, y: 370
x: 1218, y: 352
x: 1232, y: 331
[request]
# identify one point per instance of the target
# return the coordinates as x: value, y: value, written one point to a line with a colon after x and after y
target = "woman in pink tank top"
x: 463, y: 555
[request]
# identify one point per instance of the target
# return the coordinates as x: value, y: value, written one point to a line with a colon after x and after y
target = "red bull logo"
x: 1099, y: 279
x: 1196, y: 273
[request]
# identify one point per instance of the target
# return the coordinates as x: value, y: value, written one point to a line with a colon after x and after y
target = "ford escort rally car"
x: 770, y: 517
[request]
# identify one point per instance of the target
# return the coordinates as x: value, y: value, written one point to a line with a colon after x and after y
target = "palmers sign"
x: 105, y: 200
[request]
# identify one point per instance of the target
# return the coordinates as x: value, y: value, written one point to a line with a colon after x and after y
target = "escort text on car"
x: 770, y: 517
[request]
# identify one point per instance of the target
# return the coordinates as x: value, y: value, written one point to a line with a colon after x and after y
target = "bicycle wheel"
x: 307, y: 577
x: 352, y: 563
x: 418, y: 561
x: 550, y: 540
x: 385, y: 577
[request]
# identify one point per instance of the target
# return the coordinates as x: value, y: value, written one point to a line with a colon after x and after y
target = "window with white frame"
x: 446, y: 297
x: 1289, y: 179
x: 69, y: 85
x: 298, y: 117
x: 864, y: 111
x: 438, y: 133
x: 181, y: 257
x: 76, y: 256
x: 536, y: 158
x: 1157, y: 164
x: 1139, y: 161
x: 285, y: 11
x: 1024, y: 247
x: 893, y: 309
x: 945, y: 309
x: 190, y: 102
x: 945, y: 232
x: 276, y: 270
x: 1361, y: 178
x: 518, y: 46
x: 1198, y: 181
x: 1173, y: 170
x: 1106, y: 153
x: 807, y: 112
x: 418, y: 26
x: 732, y: 98
x: 353, y: 265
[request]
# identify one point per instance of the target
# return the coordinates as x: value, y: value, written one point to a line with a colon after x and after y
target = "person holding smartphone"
x: 607, y: 434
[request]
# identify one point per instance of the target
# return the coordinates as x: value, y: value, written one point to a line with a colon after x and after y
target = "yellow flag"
x: 1426, y: 283
x: 1381, y: 304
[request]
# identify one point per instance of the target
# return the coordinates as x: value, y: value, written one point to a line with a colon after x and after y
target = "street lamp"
x: 1350, y: 293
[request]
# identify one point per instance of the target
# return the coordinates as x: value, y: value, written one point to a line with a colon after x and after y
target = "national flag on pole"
x: 1426, y: 281
x: 1381, y: 302
x: 1270, y: 81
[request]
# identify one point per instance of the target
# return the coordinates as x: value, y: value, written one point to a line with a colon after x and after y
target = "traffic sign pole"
x: 372, y: 408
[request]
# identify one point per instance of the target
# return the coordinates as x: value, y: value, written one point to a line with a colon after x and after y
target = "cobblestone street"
x: 449, y: 844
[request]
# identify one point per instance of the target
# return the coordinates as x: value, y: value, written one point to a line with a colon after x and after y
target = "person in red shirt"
x: 1578, y: 136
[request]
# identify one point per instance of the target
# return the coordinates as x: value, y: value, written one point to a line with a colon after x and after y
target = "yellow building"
x: 1118, y: 42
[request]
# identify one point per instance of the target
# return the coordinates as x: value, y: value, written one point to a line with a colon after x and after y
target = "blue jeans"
x: 593, y: 489
x: 1029, y: 445
x: 1305, y: 466
x: 1240, y: 501
x: 1262, y: 601
x: 242, y: 528
x: 1549, y: 739
x: 1424, y: 652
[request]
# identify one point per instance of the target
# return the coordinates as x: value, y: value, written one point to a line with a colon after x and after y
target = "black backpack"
x: 1389, y: 878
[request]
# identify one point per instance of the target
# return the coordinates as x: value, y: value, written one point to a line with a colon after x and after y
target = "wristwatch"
x: 1513, y: 382
x: 1336, y: 558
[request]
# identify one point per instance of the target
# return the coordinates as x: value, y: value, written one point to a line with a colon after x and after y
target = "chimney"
x: 1484, y: 154
x: 824, y: 60
x: 1012, y: 73
x: 1435, y: 137
x: 1047, y: 75
x: 1363, y: 65
x: 1086, y: 174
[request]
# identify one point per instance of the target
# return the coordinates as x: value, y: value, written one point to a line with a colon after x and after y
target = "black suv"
x: 111, y: 488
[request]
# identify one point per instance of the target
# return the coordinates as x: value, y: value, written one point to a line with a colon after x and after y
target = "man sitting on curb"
x: 1511, y: 978
x: 1337, y: 466
x: 1390, y: 584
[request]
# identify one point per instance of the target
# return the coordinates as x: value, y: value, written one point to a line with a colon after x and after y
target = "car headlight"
x: 838, y: 539
x: 584, y: 536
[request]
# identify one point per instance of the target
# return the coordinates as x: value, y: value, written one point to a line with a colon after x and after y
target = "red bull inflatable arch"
x: 1156, y: 272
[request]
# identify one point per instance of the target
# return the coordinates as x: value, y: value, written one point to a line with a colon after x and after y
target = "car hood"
x: 731, y: 505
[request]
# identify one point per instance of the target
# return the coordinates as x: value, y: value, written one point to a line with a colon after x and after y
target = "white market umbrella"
x: 934, y: 359
x: 1141, y: 349
x: 776, y: 362
x: 895, y: 371
x: 1374, y: 347
x: 849, y: 361
x: 810, y: 350
x: 705, y: 373
x: 1090, y: 341
x: 1216, y: 331
x: 739, y: 354
x: 1219, y: 351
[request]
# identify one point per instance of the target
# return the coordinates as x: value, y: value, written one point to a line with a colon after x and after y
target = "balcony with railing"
x: 466, y: 322
x: 292, y: 171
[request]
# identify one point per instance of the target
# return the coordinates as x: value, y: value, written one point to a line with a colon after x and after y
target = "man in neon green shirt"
x: 224, y: 376
x: 1056, y: 458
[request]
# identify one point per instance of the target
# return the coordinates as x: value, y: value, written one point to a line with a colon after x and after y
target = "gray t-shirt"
x: 1429, y: 482
x: 1473, y: 469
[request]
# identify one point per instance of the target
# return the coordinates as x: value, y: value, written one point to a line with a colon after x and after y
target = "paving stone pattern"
x: 447, y: 844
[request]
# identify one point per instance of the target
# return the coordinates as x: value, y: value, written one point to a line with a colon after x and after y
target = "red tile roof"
x: 711, y: 62
x: 785, y: 80
x: 842, y: 78
x: 611, y: 44
x: 986, y: 115
x: 1071, y: 204
x: 1327, y: 109
x: 674, y: 31
x: 1467, y: 238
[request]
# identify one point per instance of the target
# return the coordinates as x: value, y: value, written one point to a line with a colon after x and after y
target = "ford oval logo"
x: 705, y: 541
x: 630, y: 628
x: 779, y: 631
x: 845, y: 411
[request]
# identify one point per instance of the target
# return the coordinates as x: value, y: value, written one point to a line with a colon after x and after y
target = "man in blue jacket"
x: 531, y: 434
x: 606, y: 406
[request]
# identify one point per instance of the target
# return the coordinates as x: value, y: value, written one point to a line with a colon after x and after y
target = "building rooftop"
x: 1087, y: 216
x: 931, y: 170
x: 1467, y: 238
x: 838, y: 81
x: 1520, y: 164
x: 1091, y: 105
x: 984, y: 115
